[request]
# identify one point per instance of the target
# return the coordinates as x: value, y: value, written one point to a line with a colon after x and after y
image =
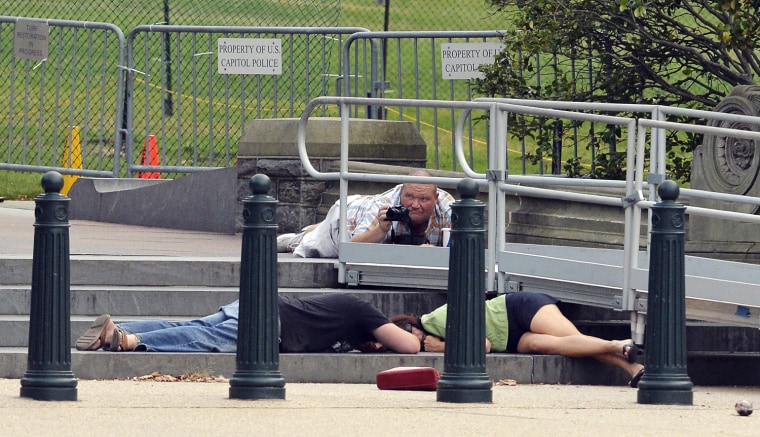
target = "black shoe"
x: 634, y: 382
x: 631, y: 352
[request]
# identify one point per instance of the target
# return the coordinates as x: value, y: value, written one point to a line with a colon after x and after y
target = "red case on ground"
x: 408, y: 378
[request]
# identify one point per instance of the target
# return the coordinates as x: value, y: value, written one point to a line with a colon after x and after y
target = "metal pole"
x: 168, y: 101
x: 49, y: 376
x: 666, y: 380
x: 257, y: 375
x: 464, y: 378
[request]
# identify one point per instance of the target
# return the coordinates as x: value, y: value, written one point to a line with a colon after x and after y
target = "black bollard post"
x: 665, y: 380
x: 464, y: 378
x: 49, y: 376
x: 257, y: 375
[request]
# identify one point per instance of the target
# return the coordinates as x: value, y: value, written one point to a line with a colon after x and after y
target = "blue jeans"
x: 214, y: 333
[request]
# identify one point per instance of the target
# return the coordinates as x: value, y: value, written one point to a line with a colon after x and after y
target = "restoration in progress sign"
x: 249, y: 56
x: 462, y: 60
x: 30, y: 39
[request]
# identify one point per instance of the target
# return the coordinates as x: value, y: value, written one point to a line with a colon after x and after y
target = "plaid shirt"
x: 361, y: 214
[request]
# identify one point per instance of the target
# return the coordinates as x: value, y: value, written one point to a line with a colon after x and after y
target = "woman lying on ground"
x: 528, y: 323
x: 323, y: 323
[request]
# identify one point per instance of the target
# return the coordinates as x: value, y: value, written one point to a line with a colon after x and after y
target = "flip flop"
x: 93, y: 334
x: 634, y: 382
x: 631, y: 352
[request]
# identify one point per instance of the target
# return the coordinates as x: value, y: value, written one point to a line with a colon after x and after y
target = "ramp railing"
x: 720, y: 291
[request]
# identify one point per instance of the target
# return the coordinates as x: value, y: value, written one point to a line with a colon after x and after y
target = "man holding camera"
x: 406, y: 214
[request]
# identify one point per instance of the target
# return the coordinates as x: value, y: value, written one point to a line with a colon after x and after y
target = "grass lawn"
x: 19, y: 185
x: 404, y: 16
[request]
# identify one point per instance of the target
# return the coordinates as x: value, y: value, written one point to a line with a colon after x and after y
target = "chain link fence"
x: 195, y: 115
x: 375, y: 15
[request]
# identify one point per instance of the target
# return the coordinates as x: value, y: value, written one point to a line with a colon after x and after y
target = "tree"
x: 687, y: 53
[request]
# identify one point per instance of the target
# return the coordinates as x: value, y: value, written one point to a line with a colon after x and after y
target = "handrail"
x: 499, y: 182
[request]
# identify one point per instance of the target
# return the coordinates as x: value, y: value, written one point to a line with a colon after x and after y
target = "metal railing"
x: 63, y: 110
x: 176, y: 106
x: 196, y: 113
x: 408, y: 65
x: 606, y: 277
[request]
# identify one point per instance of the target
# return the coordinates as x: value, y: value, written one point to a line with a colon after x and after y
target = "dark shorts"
x: 521, y: 308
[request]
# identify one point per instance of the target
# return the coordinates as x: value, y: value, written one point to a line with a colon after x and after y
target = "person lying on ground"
x: 337, y: 322
x: 528, y: 323
x: 425, y: 211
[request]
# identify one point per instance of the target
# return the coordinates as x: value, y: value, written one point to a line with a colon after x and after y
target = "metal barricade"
x: 63, y: 99
x: 192, y: 110
x: 412, y: 65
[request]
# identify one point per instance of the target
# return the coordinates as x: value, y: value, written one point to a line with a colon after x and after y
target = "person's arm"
x: 377, y: 231
x: 396, y: 339
x: 435, y: 344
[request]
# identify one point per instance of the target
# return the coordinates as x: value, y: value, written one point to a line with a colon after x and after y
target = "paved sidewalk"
x: 127, y: 408
x: 97, y: 238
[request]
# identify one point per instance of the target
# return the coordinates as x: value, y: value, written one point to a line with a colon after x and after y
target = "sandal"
x: 96, y: 331
x: 119, y: 341
x: 634, y: 382
x: 631, y: 352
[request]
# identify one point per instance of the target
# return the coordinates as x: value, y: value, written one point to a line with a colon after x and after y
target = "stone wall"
x: 727, y: 165
x: 270, y: 147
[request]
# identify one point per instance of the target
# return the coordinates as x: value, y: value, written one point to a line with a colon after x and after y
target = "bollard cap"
x: 52, y: 182
x: 668, y: 191
x: 260, y: 184
x: 468, y: 189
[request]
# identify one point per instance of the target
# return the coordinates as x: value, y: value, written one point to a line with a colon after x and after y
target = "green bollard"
x: 666, y: 380
x: 257, y: 375
x: 464, y: 378
x: 49, y: 376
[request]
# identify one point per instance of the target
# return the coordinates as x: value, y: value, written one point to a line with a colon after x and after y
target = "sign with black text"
x: 462, y: 60
x: 249, y: 56
x: 30, y: 39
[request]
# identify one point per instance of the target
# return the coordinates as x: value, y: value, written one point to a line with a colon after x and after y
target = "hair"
x: 402, y: 319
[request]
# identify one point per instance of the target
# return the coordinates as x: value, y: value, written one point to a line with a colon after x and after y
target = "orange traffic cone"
x: 72, y: 158
x: 150, y: 148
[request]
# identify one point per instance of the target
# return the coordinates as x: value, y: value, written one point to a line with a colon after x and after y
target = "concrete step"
x: 322, y: 368
x: 176, y: 303
x: 186, y: 302
x: 700, y: 338
x: 704, y: 369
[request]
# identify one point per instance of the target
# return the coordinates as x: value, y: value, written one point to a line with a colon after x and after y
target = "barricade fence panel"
x: 194, y: 89
x: 423, y: 65
x: 62, y: 95
x: 196, y: 114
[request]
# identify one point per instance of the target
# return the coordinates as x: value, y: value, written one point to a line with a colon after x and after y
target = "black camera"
x: 397, y: 214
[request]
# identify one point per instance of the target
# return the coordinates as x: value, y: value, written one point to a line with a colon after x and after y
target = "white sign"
x: 462, y: 60
x: 30, y: 39
x: 249, y: 56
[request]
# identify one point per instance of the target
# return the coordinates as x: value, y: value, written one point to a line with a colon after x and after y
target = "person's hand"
x: 434, y: 344
x: 382, y: 223
x: 377, y: 232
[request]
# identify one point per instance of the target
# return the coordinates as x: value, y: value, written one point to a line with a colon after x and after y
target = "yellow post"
x: 72, y: 158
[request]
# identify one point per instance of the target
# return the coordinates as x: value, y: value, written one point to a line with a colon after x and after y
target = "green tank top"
x: 497, y: 323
